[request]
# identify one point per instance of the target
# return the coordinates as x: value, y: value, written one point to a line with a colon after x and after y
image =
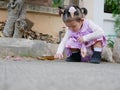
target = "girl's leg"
x: 97, y: 49
x: 98, y: 44
x: 75, y: 56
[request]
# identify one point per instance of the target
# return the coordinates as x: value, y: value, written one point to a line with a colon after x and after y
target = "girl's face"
x: 74, y: 25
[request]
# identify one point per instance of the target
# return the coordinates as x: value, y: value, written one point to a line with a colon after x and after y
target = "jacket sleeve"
x: 97, y: 32
x: 61, y: 46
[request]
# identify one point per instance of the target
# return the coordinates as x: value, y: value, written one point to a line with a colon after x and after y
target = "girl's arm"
x: 97, y: 32
x: 61, y: 46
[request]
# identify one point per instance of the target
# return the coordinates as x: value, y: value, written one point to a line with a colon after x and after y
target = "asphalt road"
x: 58, y: 75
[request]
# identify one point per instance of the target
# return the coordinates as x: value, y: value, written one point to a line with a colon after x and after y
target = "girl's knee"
x: 98, y: 44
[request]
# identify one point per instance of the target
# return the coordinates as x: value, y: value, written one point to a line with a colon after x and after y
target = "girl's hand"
x: 83, y: 52
x: 58, y: 56
x: 80, y: 39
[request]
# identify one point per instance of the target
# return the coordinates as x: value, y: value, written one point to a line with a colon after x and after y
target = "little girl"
x: 83, y: 40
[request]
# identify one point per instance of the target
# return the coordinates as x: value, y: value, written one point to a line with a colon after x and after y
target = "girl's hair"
x: 74, y: 13
x: 84, y: 11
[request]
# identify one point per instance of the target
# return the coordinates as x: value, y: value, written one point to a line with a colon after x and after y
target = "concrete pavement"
x: 58, y: 75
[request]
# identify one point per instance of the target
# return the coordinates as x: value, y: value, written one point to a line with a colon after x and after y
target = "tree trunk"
x: 16, y: 12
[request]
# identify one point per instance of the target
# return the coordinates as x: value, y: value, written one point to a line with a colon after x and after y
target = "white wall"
x: 89, y: 5
x: 96, y: 13
x: 108, y: 24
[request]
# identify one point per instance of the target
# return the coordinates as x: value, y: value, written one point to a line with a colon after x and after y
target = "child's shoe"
x: 96, y: 57
x: 75, y: 57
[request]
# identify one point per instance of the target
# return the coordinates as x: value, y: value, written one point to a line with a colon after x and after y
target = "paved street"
x: 58, y: 75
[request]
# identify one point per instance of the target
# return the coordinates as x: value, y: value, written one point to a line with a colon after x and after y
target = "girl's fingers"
x: 83, y: 54
x: 58, y: 56
x: 80, y: 39
x: 61, y: 56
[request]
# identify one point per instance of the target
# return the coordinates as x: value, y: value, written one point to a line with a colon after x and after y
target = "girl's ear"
x: 61, y: 10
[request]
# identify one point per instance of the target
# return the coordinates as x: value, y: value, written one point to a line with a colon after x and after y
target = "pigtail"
x: 84, y: 11
x: 80, y: 11
x: 66, y: 14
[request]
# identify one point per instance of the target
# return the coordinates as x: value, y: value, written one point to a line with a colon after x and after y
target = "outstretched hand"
x: 58, y: 56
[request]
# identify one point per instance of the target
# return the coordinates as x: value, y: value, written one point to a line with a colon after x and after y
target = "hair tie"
x: 72, y: 10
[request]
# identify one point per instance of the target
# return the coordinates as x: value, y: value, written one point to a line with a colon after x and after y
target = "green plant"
x: 117, y: 25
x: 110, y: 6
x: 57, y: 3
x: 116, y: 15
x: 113, y: 6
x: 110, y: 43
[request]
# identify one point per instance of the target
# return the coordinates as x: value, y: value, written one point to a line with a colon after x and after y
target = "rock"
x: 116, y: 50
x: 107, y: 54
x: 25, y: 47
